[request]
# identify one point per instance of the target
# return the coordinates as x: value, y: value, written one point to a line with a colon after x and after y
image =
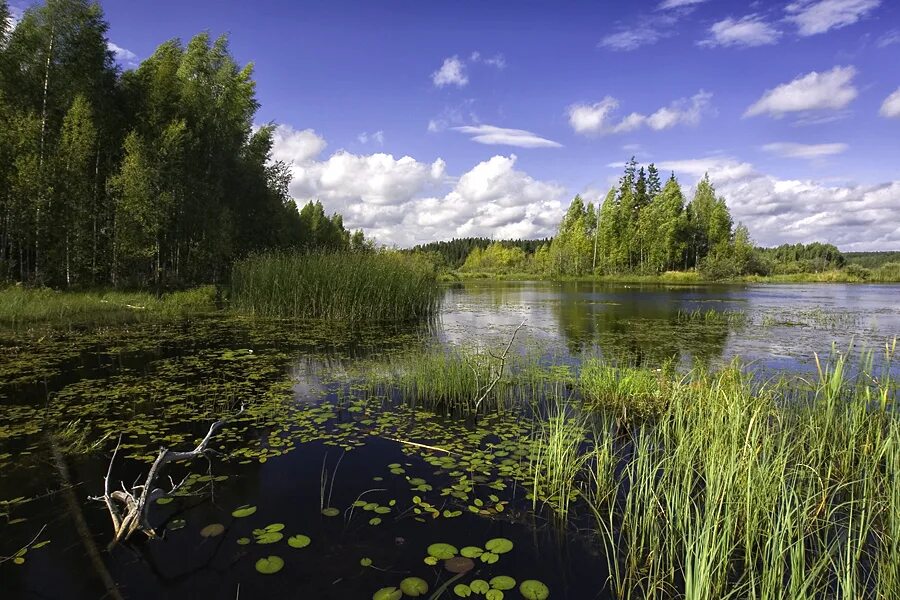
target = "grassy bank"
x: 351, y: 287
x: 26, y: 306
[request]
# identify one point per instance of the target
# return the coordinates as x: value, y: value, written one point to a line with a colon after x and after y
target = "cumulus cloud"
x: 851, y: 216
x: 891, y: 106
x: 828, y: 90
x: 501, y: 136
x: 807, y: 151
x: 818, y: 16
x: 123, y: 56
x: 452, y: 72
x: 375, y: 138
x: 404, y: 201
x: 751, y: 30
x: 599, y: 118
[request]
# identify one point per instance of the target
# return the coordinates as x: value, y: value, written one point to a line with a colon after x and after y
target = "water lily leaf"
x: 471, y: 551
x: 375, y: 521
x: 431, y: 560
x: 442, y: 551
x: 459, y: 564
x: 503, y: 582
x: 274, y: 527
x: 479, y: 586
x: 414, y: 587
x: 269, y: 565
x: 489, y: 558
x: 299, y: 541
x: 462, y: 590
x: 365, y: 562
x: 212, y: 530
x: 331, y: 511
x: 243, y: 541
x: 382, y: 510
x: 534, y: 590
x: 493, y: 595
x: 164, y: 500
x: 243, y: 511
x: 499, y: 545
x: 388, y: 593
x: 19, y: 560
x: 269, y: 537
x: 40, y: 544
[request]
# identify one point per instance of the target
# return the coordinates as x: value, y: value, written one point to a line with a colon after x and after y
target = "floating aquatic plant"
x: 243, y: 511
x: 269, y: 565
x: 414, y: 587
x: 212, y: 530
x: 442, y: 551
x: 299, y: 541
x: 534, y: 590
x: 388, y: 593
x: 499, y: 545
x: 503, y: 582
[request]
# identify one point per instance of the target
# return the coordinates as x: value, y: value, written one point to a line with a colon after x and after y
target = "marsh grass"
x: 27, y: 306
x: 349, y: 287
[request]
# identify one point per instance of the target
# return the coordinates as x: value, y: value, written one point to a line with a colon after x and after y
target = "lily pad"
x: 331, y: 511
x: 269, y: 565
x: 442, y: 551
x: 414, y: 586
x: 462, y: 590
x: 480, y: 586
x: 489, y: 558
x: 534, y: 590
x: 243, y: 511
x: 243, y: 541
x: 212, y: 530
x: 503, y: 582
x: 493, y: 594
x: 164, y: 500
x: 499, y: 545
x: 299, y: 541
x: 471, y: 551
x: 459, y: 564
x: 388, y: 593
x: 431, y: 560
x: 176, y: 524
x: 375, y: 521
x: 269, y: 537
x: 365, y: 562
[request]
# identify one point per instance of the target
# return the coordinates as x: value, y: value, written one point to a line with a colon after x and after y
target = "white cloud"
x: 632, y: 39
x: 452, y: 72
x: 123, y: 56
x: 829, y: 90
x: 599, y: 119
x: 497, y: 61
x: 818, y: 16
x: 459, y: 114
x: 15, y: 16
x: 375, y: 138
x: 777, y: 211
x: 296, y: 147
x: 491, y: 135
x: 668, y: 4
x: 808, y: 151
x: 405, y: 201
x: 891, y: 105
x: 751, y: 30
x: 889, y: 38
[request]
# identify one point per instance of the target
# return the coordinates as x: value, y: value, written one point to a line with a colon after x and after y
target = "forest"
x: 155, y: 176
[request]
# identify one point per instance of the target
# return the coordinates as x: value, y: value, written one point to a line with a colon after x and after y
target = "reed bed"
x: 348, y: 287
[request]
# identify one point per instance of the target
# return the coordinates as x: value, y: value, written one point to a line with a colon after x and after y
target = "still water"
x: 67, y: 397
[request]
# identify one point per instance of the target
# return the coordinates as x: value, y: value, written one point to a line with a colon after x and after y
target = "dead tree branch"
x: 129, y: 509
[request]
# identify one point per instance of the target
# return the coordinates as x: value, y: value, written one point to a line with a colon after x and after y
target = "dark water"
x: 163, y: 384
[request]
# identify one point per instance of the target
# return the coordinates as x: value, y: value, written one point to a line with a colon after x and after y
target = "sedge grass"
x: 346, y: 287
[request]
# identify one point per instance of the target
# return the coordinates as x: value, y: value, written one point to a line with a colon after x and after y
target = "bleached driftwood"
x: 128, y: 509
x: 497, y: 370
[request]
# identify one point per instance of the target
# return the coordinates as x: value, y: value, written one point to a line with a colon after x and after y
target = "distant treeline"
x: 453, y: 253
x: 646, y: 227
x: 155, y: 176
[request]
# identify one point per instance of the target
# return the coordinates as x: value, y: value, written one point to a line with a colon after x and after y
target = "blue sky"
x: 433, y: 119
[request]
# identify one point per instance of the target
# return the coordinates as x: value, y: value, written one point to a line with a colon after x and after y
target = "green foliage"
x: 344, y: 286
x: 496, y: 258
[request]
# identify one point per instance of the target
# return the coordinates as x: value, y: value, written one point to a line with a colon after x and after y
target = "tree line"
x: 152, y: 176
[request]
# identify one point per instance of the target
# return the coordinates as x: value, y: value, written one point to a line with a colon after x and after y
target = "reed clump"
x: 346, y: 286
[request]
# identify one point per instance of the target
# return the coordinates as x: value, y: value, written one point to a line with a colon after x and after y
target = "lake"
x: 312, y: 437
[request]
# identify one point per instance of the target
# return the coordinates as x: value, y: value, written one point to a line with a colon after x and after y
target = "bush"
x: 858, y: 272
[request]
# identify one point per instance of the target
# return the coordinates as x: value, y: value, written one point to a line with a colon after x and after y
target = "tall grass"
x: 26, y: 306
x: 382, y: 286
x: 736, y: 487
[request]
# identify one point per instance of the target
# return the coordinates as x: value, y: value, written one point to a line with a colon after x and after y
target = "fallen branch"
x: 128, y: 509
x: 499, y: 374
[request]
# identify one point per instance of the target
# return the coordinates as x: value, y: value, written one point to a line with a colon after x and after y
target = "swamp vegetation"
x: 612, y: 447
